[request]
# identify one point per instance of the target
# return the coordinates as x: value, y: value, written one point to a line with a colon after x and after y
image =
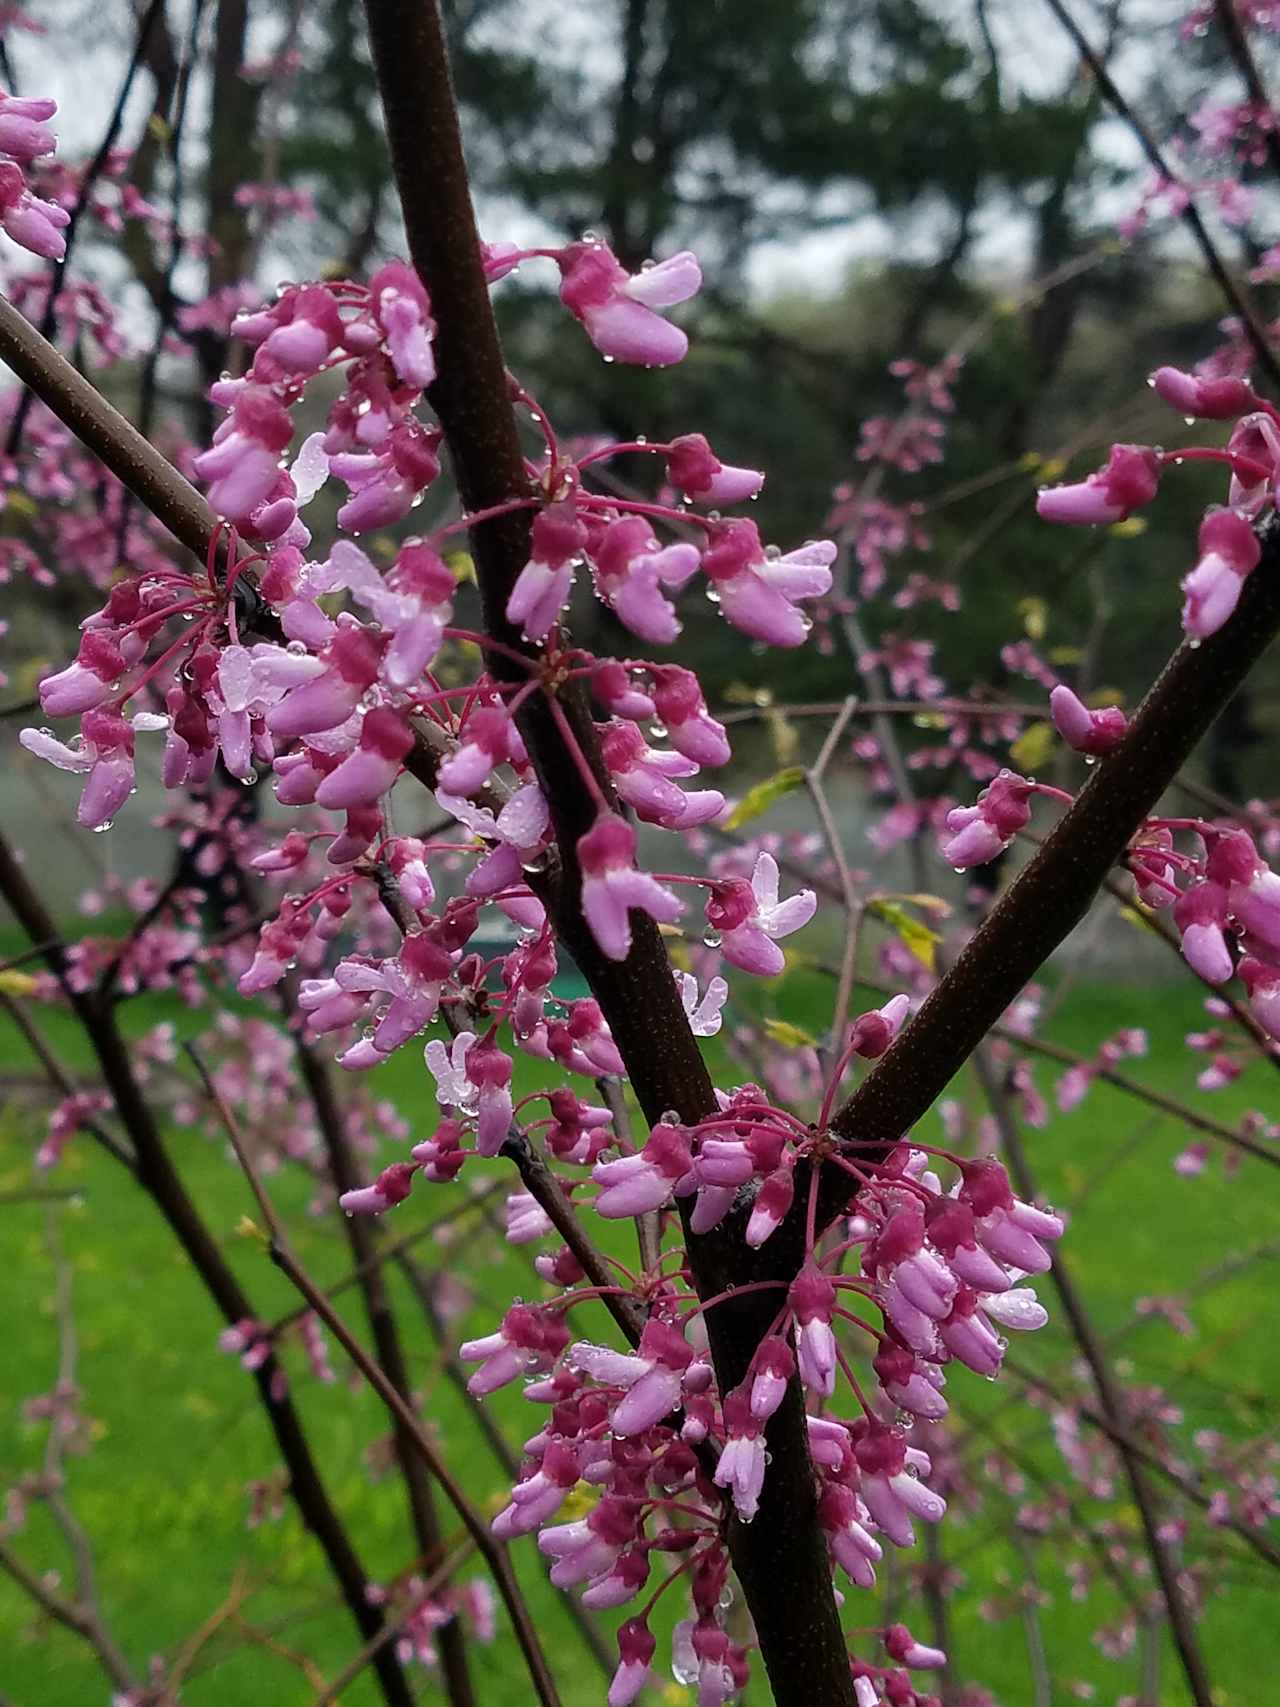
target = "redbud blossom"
x: 1093, y: 732
x: 542, y: 587
x: 1128, y: 481
x: 693, y: 469
x: 979, y: 833
x: 636, y: 1646
x: 1229, y: 550
x: 749, y: 917
x: 1207, y: 398
x: 392, y: 1186
x: 611, y: 886
x: 759, y: 593
x: 617, y: 307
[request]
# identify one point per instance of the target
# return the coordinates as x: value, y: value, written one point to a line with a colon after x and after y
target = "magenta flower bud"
x: 611, y: 886
x: 872, y: 1033
x: 691, y: 729
x: 772, y: 1367
x: 759, y: 593
x: 902, y: 1646
x: 1200, y: 914
x: 1094, y: 732
x: 1129, y: 480
x: 392, y: 1186
x: 617, y: 309
x: 770, y: 1207
x: 742, y: 1459
x: 636, y: 1645
x: 812, y: 1298
x: 1229, y: 550
x: 693, y: 469
x: 613, y: 686
x: 367, y: 774
x: 1208, y: 399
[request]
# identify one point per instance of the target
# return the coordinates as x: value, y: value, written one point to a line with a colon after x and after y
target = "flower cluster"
x: 1229, y: 548
x: 25, y: 136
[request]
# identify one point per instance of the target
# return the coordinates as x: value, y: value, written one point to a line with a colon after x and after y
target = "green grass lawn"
x: 178, y: 1433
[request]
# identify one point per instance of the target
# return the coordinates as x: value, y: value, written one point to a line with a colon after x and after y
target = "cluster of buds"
x: 25, y: 136
x: 1229, y: 549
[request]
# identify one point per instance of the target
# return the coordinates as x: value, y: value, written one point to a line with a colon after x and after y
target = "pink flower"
x: 103, y: 751
x: 539, y: 1495
x: 872, y: 1033
x: 1200, y: 914
x: 611, y: 886
x: 636, y: 1646
x: 32, y: 222
x: 693, y: 469
x: 749, y: 917
x: 392, y: 1186
x: 812, y: 1298
x: 1094, y: 732
x: 691, y: 729
x: 367, y: 774
x: 742, y: 1459
x: 891, y: 1495
x: 902, y: 1646
x: 98, y: 666
x: 643, y: 777
x: 631, y: 568
x: 631, y: 1185
x: 542, y: 587
x: 1229, y: 550
x: 1206, y: 398
x: 24, y: 131
x: 529, y: 1339
x: 759, y: 593
x: 617, y: 308
x: 243, y: 464
x: 350, y: 661
x: 400, y: 305
x: 979, y: 833
x: 652, y: 1378
x: 1129, y: 480
x: 589, y: 1548
x: 854, y: 1548
x: 771, y: 1369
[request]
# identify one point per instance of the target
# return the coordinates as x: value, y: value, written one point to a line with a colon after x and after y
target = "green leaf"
x: 916, y: 937
x: 1033, y: 747
x: 789, y: 1036
x: 760, y: 798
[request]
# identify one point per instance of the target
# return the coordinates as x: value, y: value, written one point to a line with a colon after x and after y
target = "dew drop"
x: 101, y: 829
x: 610, y: 360
x: 712, y: 939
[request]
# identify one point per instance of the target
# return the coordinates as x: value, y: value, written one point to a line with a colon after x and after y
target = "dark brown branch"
x: 799, y: 1633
